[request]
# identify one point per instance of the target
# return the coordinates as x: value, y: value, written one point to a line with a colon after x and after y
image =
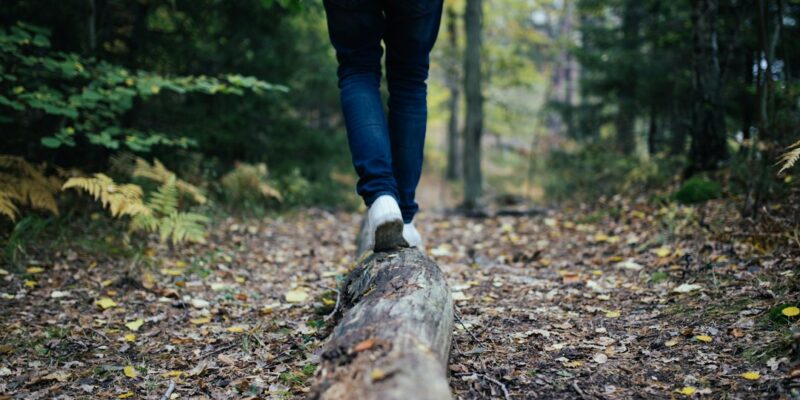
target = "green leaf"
x: 51, y: 142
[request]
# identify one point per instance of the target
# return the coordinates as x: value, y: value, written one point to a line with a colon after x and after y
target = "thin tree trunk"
x: 453, y: 171
x: 652, y: 132
x: 708, y: 147
x: 473, y: 178
x: 626, y: 115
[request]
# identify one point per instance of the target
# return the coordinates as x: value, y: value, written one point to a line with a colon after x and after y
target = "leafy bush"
x: 698, y: 190
x: 247, y: 185
x: 594, y: 169
x: 23, y: 185
x: 86, y: 97
x: 160, y: 213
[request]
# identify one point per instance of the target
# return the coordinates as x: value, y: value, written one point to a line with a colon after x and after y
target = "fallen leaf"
x: 200, y: 321
x: 364, y: 345
x: 662, y: 251
x: 60, y: 376
x: 613, y: 314
x: 200, y: 303
x: 751, y: 375
x: 130, y: 337
x: 296, y: 296
x: 135, y: 325
x: 125, y: 395
x: 236, y: 329
x: 377, y: 374
x: 172, y: 271
x: 671, y: 342
x: 704, y: 338
x: 791, y: 311
x: 106, y: 303
x: 459, y: 296
x: 687, y: 390
x: 34, y: 270
x: 55, y: 294
x: 31, y: 283
x: 686, y: 288
x: 629, y: 264
x: 600, y: 358
x: 130, y: 372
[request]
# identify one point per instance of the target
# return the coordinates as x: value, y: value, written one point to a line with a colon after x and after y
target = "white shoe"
x: 412, y: 236
x: 383, y: 229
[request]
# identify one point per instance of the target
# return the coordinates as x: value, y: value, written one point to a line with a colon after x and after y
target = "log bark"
x: 393, y: 338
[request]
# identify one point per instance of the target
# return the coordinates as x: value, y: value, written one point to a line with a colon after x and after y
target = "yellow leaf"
x: 613, y: 314
x: 34, y: 270
x: 296, y: 296
x: 239, y: 279
x: 791, y: 311
x: 687, y: 390
x: 181, y: 264
x: 105, y: 303
x: 377, y: 374
x: 235, y: 329
x: 135, y: 325
x: 30, y: 283
x: 663, y: 251
x: 200, y: 321
x: 704, y: 338
x: 600, y: 237
x: 751, y: 375
x: 130, y: 337
x: 671, y: 342
x: 172, y: 271
x: 155, y: 89
x: 130, y: 372
x: 148, y: 280
x: 125, y: 395
x: 106, y: 282
x: 172, y: 374
x: 328, y: 302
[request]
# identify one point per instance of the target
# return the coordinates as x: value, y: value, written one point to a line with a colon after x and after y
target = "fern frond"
x: 26, y: 185
x: 8, y: 208
x: 119, y: 199
x: 164, y: 201
x: 184, y: 226
x: 159, y: 173
x: 789, y: 159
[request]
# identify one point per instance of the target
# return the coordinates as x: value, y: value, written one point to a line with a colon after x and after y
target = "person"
x: 386, y: 151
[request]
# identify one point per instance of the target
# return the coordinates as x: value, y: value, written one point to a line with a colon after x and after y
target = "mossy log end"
x: 393, y: 338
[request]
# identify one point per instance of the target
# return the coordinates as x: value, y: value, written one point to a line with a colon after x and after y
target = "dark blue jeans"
x: 386, y: 152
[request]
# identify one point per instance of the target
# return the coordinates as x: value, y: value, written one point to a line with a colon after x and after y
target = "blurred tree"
x: 473, y: 178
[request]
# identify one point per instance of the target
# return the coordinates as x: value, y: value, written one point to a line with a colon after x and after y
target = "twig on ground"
x: 218, y: 350
x: 578, y: 389
x: 169, y: 391
x: 498, y: 383
x: 469, y: 331
x: 335, y: 307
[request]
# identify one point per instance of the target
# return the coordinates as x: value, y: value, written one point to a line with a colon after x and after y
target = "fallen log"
x: 393, y: 338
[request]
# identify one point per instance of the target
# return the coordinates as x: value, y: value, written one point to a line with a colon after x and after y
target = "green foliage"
x: 87, y: 97
x: 594, y: 169
x: 698, y: 190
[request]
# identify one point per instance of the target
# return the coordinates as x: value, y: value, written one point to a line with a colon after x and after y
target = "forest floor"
x: 622, y: 300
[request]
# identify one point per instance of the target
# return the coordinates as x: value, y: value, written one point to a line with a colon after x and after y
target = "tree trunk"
x: 626, y: 114
x: 393, y: 339
x: 453, y: 171
x: 708, y: 148
x: 473, y: 178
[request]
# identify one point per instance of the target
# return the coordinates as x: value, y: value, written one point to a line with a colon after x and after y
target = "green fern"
x: 159, y: 214
x: 789, y: 159
x: 159, y: 173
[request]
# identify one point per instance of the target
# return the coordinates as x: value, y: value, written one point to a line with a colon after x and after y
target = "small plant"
x: 160, y: 213
x: 247, y: 184
x: 698, y: 190
x: 23, y: 185
x: 789, y: 159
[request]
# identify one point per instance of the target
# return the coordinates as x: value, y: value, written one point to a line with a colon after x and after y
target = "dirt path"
x: 628, y: 301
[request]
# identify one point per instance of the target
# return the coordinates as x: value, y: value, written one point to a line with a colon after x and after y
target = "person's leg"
x: 355, y: 28
x: 411, y: 30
